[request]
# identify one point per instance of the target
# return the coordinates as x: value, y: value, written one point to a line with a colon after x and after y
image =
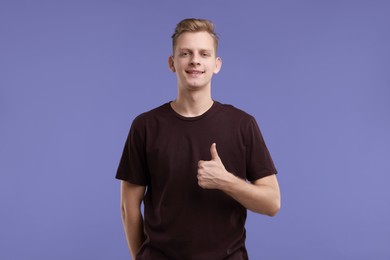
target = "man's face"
x: 194, y: 60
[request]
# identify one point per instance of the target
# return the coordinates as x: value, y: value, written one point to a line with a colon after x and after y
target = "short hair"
x: 194, y: 25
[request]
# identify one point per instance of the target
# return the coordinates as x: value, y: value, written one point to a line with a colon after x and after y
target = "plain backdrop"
x: 74, y: 74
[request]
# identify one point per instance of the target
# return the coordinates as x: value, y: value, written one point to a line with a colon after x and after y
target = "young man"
x: 201, y: 163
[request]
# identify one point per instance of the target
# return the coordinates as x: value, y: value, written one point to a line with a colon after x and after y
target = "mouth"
x: 194, y: 72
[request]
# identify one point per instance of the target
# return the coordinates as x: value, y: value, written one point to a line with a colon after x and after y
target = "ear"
x: 218, y: 65
x: 171, y: 64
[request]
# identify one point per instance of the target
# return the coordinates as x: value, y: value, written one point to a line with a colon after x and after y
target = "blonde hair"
x: 194, y: 25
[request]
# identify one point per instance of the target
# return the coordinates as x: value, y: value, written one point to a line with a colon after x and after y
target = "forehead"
x: 195, y: 40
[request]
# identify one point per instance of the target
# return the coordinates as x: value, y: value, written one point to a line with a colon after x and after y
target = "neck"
x: 194, y: 103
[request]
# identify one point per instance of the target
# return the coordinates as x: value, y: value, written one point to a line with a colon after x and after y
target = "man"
x: 193, y: 157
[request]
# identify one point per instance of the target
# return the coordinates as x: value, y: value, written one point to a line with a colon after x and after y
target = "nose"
x: 195, y: 60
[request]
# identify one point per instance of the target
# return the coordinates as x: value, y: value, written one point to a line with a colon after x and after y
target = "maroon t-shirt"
x: 182, y: 220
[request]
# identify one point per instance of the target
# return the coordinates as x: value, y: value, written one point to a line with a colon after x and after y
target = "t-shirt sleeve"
x: 132, y: 166
x: 259, y: 163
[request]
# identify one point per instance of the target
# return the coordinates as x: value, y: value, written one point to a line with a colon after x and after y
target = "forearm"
x: 263, y: 199
x: 134, y: 230
x: 261, y: 196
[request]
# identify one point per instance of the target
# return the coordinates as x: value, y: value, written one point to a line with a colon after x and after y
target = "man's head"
x: 194, y: 58
x: 194, y: 25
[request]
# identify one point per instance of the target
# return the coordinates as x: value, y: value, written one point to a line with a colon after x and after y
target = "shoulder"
x: 236, y: 113
x: 239, y: 119
x: 157, y: 112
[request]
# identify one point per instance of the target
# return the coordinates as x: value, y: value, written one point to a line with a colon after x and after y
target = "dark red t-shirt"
x: 182, y: 220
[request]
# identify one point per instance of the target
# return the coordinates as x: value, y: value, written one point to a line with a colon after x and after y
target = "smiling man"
x: 195, y: 163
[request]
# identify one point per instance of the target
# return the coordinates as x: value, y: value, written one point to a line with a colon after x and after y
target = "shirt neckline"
x: 194, y: 118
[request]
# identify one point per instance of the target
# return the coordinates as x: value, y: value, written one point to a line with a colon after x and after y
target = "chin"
x: 196, y: 86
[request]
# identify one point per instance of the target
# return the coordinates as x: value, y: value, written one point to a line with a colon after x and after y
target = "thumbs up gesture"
x: 212, y: 174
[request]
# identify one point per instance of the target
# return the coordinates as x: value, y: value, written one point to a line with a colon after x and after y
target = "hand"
x: 212, y: 174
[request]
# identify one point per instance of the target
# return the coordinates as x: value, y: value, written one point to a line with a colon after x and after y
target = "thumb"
x: 214, y: 153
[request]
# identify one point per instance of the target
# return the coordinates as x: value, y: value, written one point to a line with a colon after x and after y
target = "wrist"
x: 230, y: 182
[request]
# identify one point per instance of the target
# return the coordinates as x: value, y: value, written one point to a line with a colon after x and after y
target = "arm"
x: 261, y: 196
x: 131, y: 198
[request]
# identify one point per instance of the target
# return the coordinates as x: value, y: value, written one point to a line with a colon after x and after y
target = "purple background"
x: 74, y: 74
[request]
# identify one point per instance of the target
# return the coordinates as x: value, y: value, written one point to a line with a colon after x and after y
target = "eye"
x: 184, y: 53
x: 205, y: 54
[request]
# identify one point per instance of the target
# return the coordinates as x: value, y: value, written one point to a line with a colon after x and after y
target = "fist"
x: 212, y: 174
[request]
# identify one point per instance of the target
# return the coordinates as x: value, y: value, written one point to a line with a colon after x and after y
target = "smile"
x: 194, y: 72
